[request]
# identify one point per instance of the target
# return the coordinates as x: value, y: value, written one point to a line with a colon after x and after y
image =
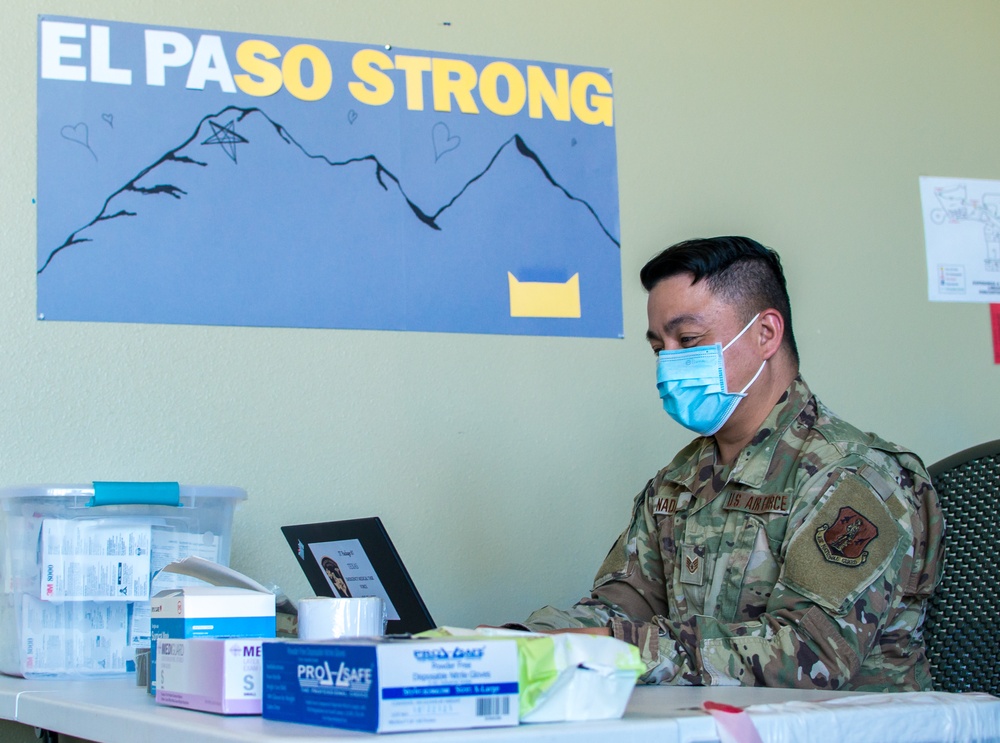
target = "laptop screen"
x: 355, y: 557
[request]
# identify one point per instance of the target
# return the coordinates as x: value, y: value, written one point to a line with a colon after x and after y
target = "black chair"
x: 962, y: 629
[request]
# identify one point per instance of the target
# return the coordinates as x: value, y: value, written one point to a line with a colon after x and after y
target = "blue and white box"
x: 392, y: 685
x: 209, y: 611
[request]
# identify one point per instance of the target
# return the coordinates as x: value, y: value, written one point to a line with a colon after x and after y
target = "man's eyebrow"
x: 680, y: 320
x: 670, y: 326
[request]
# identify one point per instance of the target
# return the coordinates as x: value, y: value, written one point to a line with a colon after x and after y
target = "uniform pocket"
x: 750, y: 571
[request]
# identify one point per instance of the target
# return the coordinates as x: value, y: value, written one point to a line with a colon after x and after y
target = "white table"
x: 116, y: 711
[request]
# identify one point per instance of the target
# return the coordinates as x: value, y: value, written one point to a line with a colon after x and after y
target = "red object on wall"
x: 995, y: 324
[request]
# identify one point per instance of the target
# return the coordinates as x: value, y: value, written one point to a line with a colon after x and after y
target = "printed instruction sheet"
x: 91, y: 559
x: 962, y: 236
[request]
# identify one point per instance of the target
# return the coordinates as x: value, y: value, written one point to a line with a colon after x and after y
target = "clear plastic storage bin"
x: 81, y: 561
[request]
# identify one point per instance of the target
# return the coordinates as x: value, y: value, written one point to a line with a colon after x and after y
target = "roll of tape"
x: 322, y: 618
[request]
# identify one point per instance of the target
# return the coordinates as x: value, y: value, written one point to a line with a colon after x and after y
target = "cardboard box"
x: 392, y: 685
x: 222, y: 676
x: 209, y: 611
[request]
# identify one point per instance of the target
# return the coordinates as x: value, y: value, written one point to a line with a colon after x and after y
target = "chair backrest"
x: 962, y: 629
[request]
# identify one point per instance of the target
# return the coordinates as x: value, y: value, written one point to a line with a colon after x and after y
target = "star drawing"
x: 226, y: 137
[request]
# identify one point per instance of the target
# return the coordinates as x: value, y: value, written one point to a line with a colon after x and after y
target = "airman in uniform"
x: 783, y: 546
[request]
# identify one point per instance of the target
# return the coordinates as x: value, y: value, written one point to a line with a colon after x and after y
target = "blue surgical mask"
x: 692, y: 385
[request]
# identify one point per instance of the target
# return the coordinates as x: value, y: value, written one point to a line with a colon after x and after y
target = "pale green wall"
x: 504, y: 466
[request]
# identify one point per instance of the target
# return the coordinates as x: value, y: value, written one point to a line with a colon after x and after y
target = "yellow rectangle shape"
x: 543, y: 298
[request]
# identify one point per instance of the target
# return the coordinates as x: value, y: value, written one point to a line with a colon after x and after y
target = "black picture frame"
x: 385, y: 560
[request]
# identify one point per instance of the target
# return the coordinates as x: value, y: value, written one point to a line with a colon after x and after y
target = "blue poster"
x: 216, y: 178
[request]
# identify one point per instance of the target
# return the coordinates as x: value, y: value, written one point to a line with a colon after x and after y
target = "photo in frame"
x: 354, y: 558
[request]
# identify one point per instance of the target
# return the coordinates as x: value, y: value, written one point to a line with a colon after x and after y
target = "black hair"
x: 743, y: 272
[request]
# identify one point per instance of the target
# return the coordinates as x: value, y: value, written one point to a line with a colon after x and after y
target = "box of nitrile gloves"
x: 392, y: 685
x: 210, y: 674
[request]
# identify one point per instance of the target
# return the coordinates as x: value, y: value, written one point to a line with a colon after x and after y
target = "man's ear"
x: 772, y: 332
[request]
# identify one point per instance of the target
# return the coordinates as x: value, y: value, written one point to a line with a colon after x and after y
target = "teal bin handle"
x: 136, y: 493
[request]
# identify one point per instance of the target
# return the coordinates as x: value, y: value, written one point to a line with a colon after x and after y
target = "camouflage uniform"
x: 805, y: 563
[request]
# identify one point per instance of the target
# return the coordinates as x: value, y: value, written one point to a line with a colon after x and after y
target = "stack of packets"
x: 448, y: 678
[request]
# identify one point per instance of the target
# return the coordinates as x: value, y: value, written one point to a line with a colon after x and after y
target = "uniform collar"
x: 753, y: 462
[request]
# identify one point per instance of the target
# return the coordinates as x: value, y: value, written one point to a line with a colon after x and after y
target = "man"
x: 783, y: 546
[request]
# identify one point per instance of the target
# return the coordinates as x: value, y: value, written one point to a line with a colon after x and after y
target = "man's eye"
x: 688, y: 340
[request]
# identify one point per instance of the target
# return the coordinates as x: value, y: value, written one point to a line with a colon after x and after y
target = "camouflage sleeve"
x: 828, y: 610
x: 626, y: 598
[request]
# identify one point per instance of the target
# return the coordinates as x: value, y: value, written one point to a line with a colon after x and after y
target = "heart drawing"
x: 443, y: 140
x: 80, y: 134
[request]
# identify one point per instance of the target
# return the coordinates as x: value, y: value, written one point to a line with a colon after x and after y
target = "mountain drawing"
x: 242, y: 225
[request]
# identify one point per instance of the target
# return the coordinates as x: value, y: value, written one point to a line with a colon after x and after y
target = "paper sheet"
x: 962, y: 236
x: 94, y: 559
x: 74, y: 636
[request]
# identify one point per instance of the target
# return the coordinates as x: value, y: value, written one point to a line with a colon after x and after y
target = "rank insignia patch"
x: 693, y: 568
x: 844, y: 541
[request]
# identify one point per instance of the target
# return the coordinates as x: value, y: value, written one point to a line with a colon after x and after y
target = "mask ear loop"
x: 743, y: 392
x: 740, y: 334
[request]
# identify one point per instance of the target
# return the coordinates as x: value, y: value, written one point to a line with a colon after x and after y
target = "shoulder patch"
x: 843, y: 547
x: 845, y: 540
